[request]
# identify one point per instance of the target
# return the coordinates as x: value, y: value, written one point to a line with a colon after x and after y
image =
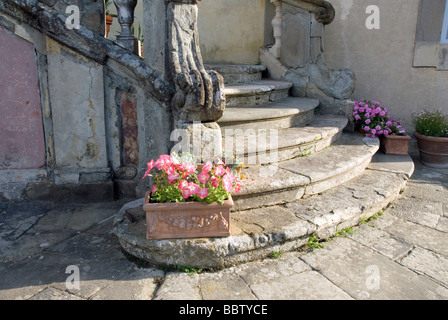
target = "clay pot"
x: 433, y: 150
x: 109, y: 21
x: 187, y: 219
x: 397, y: 145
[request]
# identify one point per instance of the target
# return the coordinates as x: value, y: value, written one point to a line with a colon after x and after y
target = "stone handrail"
x: 87, y: 42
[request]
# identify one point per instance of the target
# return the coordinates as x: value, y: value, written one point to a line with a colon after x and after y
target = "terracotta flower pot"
x: 109, y: 21
x: 397, y: 145
x: 433, y: 150
x: 187, y: 219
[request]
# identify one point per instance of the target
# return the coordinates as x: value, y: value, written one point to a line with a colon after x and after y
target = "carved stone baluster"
x: 125, y: 12
x: 277, y: 25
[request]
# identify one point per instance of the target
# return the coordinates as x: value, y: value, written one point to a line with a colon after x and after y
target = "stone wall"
x: 81, y: 115
x: 384, y: 59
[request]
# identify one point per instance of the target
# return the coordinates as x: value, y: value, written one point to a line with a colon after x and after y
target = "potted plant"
x: 431, y: 132
x: 374, y: 120
x: 189, y: 199
x: 109, y: 16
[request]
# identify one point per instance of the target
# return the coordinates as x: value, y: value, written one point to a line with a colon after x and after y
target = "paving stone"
x: 141, y: 285
x: 381, y: 241
x: 415, y: 234
x: 179, y: 286
x: 224, y: 286
x: 54, y: 294
x: 366, y: 274
x: 442, y: 225
x: 420, y: 211
x: 429, y: 263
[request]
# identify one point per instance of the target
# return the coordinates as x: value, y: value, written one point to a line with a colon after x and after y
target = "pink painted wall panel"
x: 22, y: 143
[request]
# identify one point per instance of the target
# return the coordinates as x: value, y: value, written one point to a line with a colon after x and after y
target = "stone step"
x: 257, y: 233
x: 288, y: 181
x: 256, y: 146
x: 238, y: 73
x: 256, y: 92
x: 289, y: 112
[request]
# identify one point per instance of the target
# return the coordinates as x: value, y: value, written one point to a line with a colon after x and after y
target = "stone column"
x: 125, y: 12
x: 172, y: 48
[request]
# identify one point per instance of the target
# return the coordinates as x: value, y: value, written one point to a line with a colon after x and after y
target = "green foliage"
x: 187, y: 269
x: 313, y: 243
x: 276, y: 254
x: 431, y: 123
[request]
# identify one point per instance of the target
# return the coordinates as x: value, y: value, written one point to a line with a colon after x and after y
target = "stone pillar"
x: 125, y: 12
x: 172, y: 48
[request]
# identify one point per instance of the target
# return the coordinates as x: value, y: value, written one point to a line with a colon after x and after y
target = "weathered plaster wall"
x: 383, y: 59
x: 231, y: 31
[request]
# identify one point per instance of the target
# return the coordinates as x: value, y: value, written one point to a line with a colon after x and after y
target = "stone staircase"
x: 315, y: 180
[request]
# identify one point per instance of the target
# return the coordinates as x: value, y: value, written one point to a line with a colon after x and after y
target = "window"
x: 431, y: 39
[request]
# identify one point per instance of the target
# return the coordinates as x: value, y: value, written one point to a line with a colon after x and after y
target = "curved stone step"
x: 256, y: 93
x: 289, y: 112
x: 254, y: 146
x: 288, y: 181
x: 256, y: 233
x: 238, y: 73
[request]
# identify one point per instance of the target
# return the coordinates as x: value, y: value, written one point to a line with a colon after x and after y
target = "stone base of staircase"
x: 257, y: 233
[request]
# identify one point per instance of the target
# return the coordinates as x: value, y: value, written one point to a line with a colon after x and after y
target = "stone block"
x: 76, y: 89
x: 295, y: 51
x: 22, y: 144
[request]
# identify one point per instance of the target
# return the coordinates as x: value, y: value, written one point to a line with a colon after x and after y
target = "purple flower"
x: 378, y: 128
x: 357, y: 117
x: 373, y: 131
x: 368, y: 121
x: 366, y: 128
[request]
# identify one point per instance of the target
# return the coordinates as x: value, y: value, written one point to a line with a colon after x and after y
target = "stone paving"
x: 402, y: 254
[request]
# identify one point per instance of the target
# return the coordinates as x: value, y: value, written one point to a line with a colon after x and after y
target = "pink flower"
x: 227, y: 185
x: 182, y: 184
x: 373, y: 132
x: 378, y: 128
x: 366, y: 128
x: 215, y: 181
x: 357, y: 117
x: 203, y: 177
x: 207, y: 167
x: 173, y: 177
x: 202, y: 193
x: 150, y: 166
x: 154, y: 189
x: 162, y: 161
x: 193, y: 187
x: 219, y: 171
x: 186, y: 192
x: 237, y: 188
x: 368, y: 121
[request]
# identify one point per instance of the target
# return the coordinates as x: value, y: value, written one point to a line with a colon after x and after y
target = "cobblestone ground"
x: 400, y: 254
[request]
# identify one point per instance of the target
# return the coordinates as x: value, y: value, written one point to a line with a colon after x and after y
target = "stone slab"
x: 22, y: 144
x: 366, y: 274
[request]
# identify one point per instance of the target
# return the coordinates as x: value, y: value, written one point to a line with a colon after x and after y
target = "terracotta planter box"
x: 187, y: 219
x: 395, y: 144
x: 433, y: 151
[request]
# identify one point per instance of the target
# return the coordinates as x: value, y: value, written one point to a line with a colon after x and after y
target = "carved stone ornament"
x: 199, y: 94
